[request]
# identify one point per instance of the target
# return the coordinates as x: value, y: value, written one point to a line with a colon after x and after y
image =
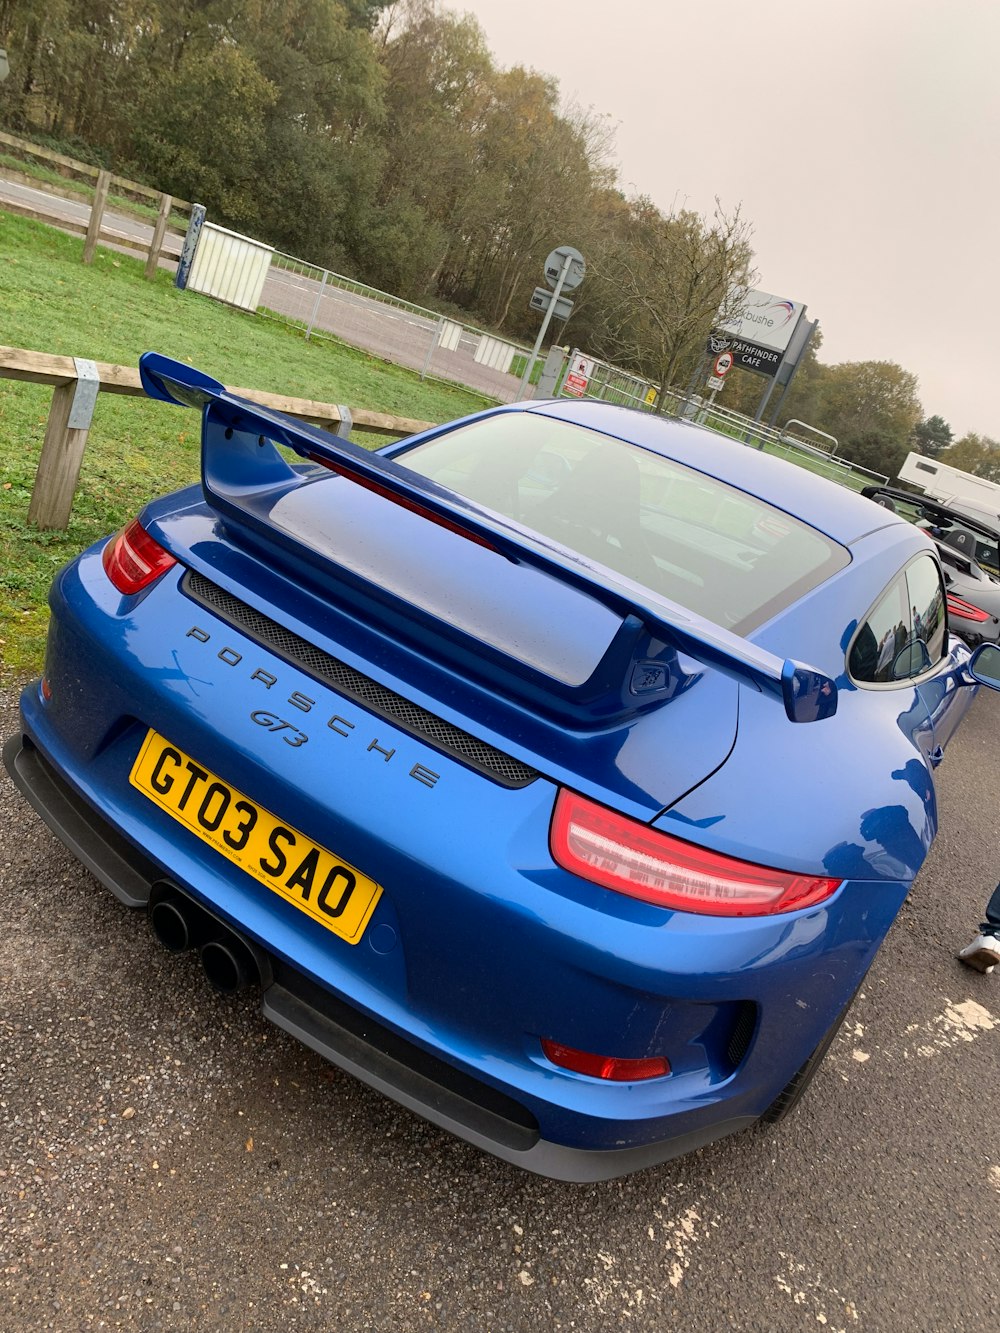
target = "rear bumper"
x: 342, y: 1033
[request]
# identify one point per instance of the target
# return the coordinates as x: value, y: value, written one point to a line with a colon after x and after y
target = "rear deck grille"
x: 347, y: 680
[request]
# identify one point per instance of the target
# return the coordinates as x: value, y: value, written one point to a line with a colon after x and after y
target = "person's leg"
x: 991, y: 926
x: 984, y: 952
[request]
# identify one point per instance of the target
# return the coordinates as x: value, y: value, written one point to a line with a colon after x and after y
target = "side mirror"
x: 911, y: 660
x: 984, y: 665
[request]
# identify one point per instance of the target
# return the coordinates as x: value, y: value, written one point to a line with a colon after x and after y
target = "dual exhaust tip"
x: 180, y: 924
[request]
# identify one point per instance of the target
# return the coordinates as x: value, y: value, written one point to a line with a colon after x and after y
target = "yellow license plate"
x: 313, y: 879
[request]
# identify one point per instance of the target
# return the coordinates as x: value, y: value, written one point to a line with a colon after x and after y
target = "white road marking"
x: 827, y: 1306
x: 613, y: 1286
x: 960, y: 1023
x: 682, y: 1237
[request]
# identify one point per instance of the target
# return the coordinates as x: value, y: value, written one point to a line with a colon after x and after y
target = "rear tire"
x: 792, y: 1094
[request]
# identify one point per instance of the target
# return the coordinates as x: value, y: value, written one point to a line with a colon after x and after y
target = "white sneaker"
x: 983, y: 953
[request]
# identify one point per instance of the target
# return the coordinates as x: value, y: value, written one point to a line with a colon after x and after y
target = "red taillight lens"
x: 611, y: 1067
x: 631, y: 858
x: 963, y: 610
x: 133, y: 560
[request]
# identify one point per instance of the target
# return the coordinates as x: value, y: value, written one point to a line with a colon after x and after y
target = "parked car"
x: 557, y: 771
x: 969, y: 549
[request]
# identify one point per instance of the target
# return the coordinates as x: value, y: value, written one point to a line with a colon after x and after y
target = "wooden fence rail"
x: 63, y: 447
x: 163, y: 242
x: 28, y: 149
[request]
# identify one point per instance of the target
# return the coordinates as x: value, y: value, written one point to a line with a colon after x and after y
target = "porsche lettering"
x: 294, y: 736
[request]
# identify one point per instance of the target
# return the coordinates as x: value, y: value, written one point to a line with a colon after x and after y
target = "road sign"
x: 554, y: 266
x: 582, y: 365
x: 715, y: 381
x: 541, y: 299
x: 569, y: 269
x: 575, y: 384
x: 723, y: 363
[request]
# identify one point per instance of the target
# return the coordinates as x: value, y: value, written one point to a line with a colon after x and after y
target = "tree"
x: 213, y: 140
x: 664, y: 282
x: 528, y: 187
x: 930, y: 437
x: 437, y: 72
x: 872, y: 408
x: 974, y: 453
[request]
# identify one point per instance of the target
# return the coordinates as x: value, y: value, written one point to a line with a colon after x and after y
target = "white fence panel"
x: 495, y: 353
x: 230, y: 267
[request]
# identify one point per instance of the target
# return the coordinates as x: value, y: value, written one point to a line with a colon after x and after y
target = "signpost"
x: 721, y: 367
x: 553, y: 266
x: 767, y: 335
x: 578, y: 375
x: 564, y: 271
x: 750, y: 356
x: 543, y: 299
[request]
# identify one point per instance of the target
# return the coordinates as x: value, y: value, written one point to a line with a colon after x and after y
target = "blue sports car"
x: 558, y: 771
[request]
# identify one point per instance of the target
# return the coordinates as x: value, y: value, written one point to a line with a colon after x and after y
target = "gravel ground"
x: 168, y: 1160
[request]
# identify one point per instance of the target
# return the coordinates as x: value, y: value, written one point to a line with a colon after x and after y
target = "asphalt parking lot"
x: 168, y: 1160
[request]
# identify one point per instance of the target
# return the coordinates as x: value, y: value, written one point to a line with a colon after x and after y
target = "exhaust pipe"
x: 172, y: 925
x: 180, y: 923
x: 229, y: 965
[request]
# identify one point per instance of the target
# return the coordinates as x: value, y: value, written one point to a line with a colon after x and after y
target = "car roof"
x: 833, y: 509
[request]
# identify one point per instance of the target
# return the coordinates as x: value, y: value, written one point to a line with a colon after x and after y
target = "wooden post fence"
x: 159, y: 231
x: 77, y: 383
x: 96, y: 214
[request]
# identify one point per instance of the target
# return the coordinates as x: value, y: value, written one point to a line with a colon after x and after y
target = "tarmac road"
x: 57, y: 207
x: 170, y: 1161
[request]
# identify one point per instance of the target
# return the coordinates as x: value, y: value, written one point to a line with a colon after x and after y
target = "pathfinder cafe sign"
x: 751, y: 356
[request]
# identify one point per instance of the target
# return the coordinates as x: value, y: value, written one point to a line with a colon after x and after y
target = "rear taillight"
x: 133, y: 560
x: 615, y: 1068
x: 963, y: 610
x: 631, y: 858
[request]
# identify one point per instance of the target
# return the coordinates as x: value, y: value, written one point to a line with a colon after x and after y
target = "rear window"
x: 716, y: 550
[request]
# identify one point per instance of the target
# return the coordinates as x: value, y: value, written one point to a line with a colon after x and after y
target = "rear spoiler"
x: 236, y: 465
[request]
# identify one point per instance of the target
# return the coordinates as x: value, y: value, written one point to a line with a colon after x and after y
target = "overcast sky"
x: 861, y: 138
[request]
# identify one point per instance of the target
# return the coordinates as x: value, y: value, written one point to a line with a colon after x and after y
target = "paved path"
x: 170, y: 1161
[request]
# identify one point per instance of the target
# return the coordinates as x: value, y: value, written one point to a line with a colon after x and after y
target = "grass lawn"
x: 51, y: 302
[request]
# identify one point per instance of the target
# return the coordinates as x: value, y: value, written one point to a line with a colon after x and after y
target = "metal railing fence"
x: 324, y: 303
x: 609, y: 383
